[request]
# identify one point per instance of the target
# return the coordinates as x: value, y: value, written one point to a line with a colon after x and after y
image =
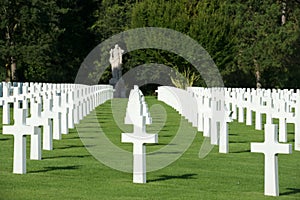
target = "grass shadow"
x: 166, y: 136
x: 70, y: 146
x: 243, y: 151
x: 155, y: 153
x: 54, y: 157
x: 78, y: 138
x: 168, y: 177
x: 72, y: 138
x: 237, y: 142
x: 291, y: 191
x: 47, y: 169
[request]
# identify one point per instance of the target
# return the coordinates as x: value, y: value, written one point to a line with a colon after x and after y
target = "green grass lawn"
x: 71, y: 172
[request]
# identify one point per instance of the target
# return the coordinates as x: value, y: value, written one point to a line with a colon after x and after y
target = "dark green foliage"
x: 48, y: 40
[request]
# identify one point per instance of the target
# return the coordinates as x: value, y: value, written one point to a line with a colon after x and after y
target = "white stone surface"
x: 36, y: 119
x: 271, y: 148
x: 19, y: 130
x: 136, y: 116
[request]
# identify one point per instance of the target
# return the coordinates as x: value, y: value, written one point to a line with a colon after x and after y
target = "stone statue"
x: 115, y: 60
x: 116, y: 81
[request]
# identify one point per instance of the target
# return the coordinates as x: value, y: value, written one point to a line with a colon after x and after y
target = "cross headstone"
x: 295, y: 118
x: 36, y: 119
x: 220, y: 118
x: 19, y: 130
x: 139, y: 137
x: 8, y: 99
x: 63, y: 108
x: 71, y: 107
x: 271, y: 148
x: 55, y: 116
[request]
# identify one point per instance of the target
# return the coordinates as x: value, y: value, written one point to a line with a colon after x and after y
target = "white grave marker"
x: 19, y: 130
x: 139, y: 137
x: 36, y: 119
x: 271, y: 148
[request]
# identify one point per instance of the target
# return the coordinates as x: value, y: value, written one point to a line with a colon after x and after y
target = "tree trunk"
x: 11, y: 67
x: 257, y: 74
x: 283, y: 12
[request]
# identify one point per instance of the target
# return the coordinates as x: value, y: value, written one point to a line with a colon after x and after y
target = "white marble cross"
x: 36, y: 119
x: 56, y: 109
x: 241, y: 104
x: 55, y: 116
x: 271, y: 148
x: 64, y: 110
x: 71, y: 107
x: 139, y: 137
x: 295, y: 118
x: 19, y: 130
x: 220, y: 118
x: 280, y: 112
x: 7, y: 100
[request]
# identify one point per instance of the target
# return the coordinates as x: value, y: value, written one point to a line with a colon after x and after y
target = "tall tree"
x: 266, y: 38
x: 28, y: 30
x: 77, y: 40
x: 208, y: 22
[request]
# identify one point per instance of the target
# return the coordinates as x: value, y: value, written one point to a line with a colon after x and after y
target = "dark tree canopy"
x: 254, y: 43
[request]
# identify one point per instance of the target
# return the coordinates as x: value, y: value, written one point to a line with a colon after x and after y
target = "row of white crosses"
x: 223, y: 104
x: 275, y: 104
x: 137, y: 114
x: 205, y: 109
x: 55, y: 107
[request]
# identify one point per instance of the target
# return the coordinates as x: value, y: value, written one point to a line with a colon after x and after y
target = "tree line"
x: 254, y: 43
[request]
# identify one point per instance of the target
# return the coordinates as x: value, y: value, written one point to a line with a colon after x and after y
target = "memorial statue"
x: 116, y: 81
x: 115, y: 60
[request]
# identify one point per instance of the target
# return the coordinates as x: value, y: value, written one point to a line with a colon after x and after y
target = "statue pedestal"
x: 119, y: 86
x: 113, y: 81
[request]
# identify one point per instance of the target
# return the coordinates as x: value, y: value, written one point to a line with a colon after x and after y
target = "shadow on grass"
x: 72, y: 138
x: 238, y: 142
x: 54, y: 157
x: 159, y: 144
x: 291, y: 191
x: 291, y: 140
x: 47, y: 169
x: 243, y: 151
x: 72, y: 146
x: 77, y: 138
x: 4, y: 139
x: 166, y: 136
x: 174, y: 152
x: 168, y: 177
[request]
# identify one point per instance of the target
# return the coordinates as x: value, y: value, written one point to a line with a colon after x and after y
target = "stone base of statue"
x: 113, y: 81
x: 120, y: 88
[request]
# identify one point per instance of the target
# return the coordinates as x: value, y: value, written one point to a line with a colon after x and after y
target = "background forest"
x: 254, y: 43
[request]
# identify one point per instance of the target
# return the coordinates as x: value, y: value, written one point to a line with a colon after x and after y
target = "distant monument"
x: 116, y: 81
x: 115, y: 60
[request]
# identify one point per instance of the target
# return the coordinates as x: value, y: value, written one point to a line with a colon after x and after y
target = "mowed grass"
x: 71, y: 172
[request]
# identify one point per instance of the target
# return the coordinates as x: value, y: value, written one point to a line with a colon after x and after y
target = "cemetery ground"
x: 70, y: 172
